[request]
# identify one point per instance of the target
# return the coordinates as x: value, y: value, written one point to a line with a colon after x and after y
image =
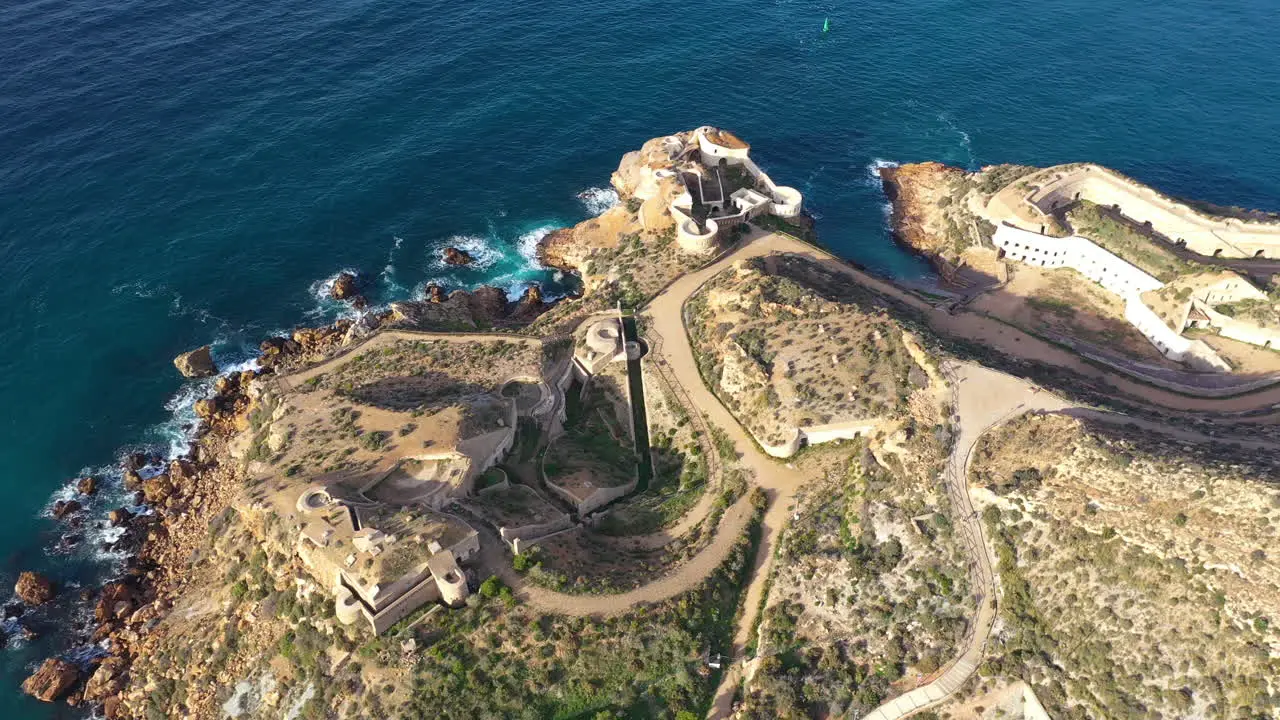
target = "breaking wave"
x: 597, y: 200
x: 484, y: 255
x: 527, y: 245
x: 874, y: 180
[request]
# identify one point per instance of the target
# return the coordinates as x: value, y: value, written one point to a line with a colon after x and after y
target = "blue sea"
x: 181, y: 173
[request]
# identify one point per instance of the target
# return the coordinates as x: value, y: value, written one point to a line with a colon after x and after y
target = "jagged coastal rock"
x: 33, y: 589
x: 457, y: 256
x: 915, y: 191
x: 344, y: 287
x: 196, y: 363
x: 484, y: 307
x: 52, y: 680
x: 106, y: 680
x: 63, y: 508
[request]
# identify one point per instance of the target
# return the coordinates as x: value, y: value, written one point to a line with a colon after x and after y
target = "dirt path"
x: 686, y: 576
x: 978, y: 328
x: 985, y: 398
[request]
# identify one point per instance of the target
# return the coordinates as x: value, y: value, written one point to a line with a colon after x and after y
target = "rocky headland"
x: 199, y: 526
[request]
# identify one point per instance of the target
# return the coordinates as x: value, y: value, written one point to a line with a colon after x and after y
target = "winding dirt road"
x: 984, y: 399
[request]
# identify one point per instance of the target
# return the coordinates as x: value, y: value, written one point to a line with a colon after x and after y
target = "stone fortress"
x: 1024, y: 210
x: 375, y: 555
x: 382, y: 531
x: 391, y: 531
x: 706, y: 182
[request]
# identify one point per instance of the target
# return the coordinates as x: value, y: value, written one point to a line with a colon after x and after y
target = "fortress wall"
x: 712, y: 153
x: 818, y: 434
x: 1077, y: 253
x: 1114, y: 274
x: 784, y: 449
x: 421, y: 594
x: 787, y: 201
x: 604, y: 496
x: 1201, y: 233
x: 533, y: 531
x: 1169, y: 343
x: 1242, y: 330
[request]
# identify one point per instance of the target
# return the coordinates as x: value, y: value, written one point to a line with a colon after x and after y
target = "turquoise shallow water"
x: 173, y: 173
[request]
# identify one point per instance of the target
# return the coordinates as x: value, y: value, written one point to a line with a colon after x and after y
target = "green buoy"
x: 826, y: 24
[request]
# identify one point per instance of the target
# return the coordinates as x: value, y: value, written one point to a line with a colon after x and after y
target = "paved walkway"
x: 984, y: 399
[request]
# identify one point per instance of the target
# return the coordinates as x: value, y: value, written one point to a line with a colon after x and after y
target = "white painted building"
x: 1117, y: 276
x: 722, y: 149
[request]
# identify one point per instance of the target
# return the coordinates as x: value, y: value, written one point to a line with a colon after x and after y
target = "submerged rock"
x: 196, y: 363
x: 456, y: 256
x: 52, y: 680
x: 136, y: 461
x: 344, y: 287
x: 33, y: 588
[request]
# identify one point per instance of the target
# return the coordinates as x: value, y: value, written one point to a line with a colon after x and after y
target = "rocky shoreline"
x: 188, y: 496
x: 185, y: 494
x: 914, y: 191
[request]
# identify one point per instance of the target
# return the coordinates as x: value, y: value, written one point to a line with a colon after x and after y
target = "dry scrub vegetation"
x: 871, y: 593
x: 787, y: 346
x: 1138, y: 573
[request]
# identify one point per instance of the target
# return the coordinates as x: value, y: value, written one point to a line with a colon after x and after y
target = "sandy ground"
x: 1015, y: 701
x: 1098, y: 316
x: 1244, y: 357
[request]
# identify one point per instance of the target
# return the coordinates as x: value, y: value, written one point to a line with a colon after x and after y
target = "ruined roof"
x: 726, y: 139
x: 390, y: 544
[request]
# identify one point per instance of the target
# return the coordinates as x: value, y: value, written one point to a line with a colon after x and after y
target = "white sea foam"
x: 874, y: 180
x: 322, y: 289
x: 873, y: 171
x: 137, y: 288
x: 966, y: 142
x: 326, y: 306
x: 483, y: 253
x: 598, y: 199
x: 527, y: 245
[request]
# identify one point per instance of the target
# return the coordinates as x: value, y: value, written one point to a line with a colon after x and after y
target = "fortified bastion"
x: 705, y: 182
x: 1028, y: 203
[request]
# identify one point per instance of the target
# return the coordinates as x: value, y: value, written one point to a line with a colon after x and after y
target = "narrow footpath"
x: 984, y: 399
